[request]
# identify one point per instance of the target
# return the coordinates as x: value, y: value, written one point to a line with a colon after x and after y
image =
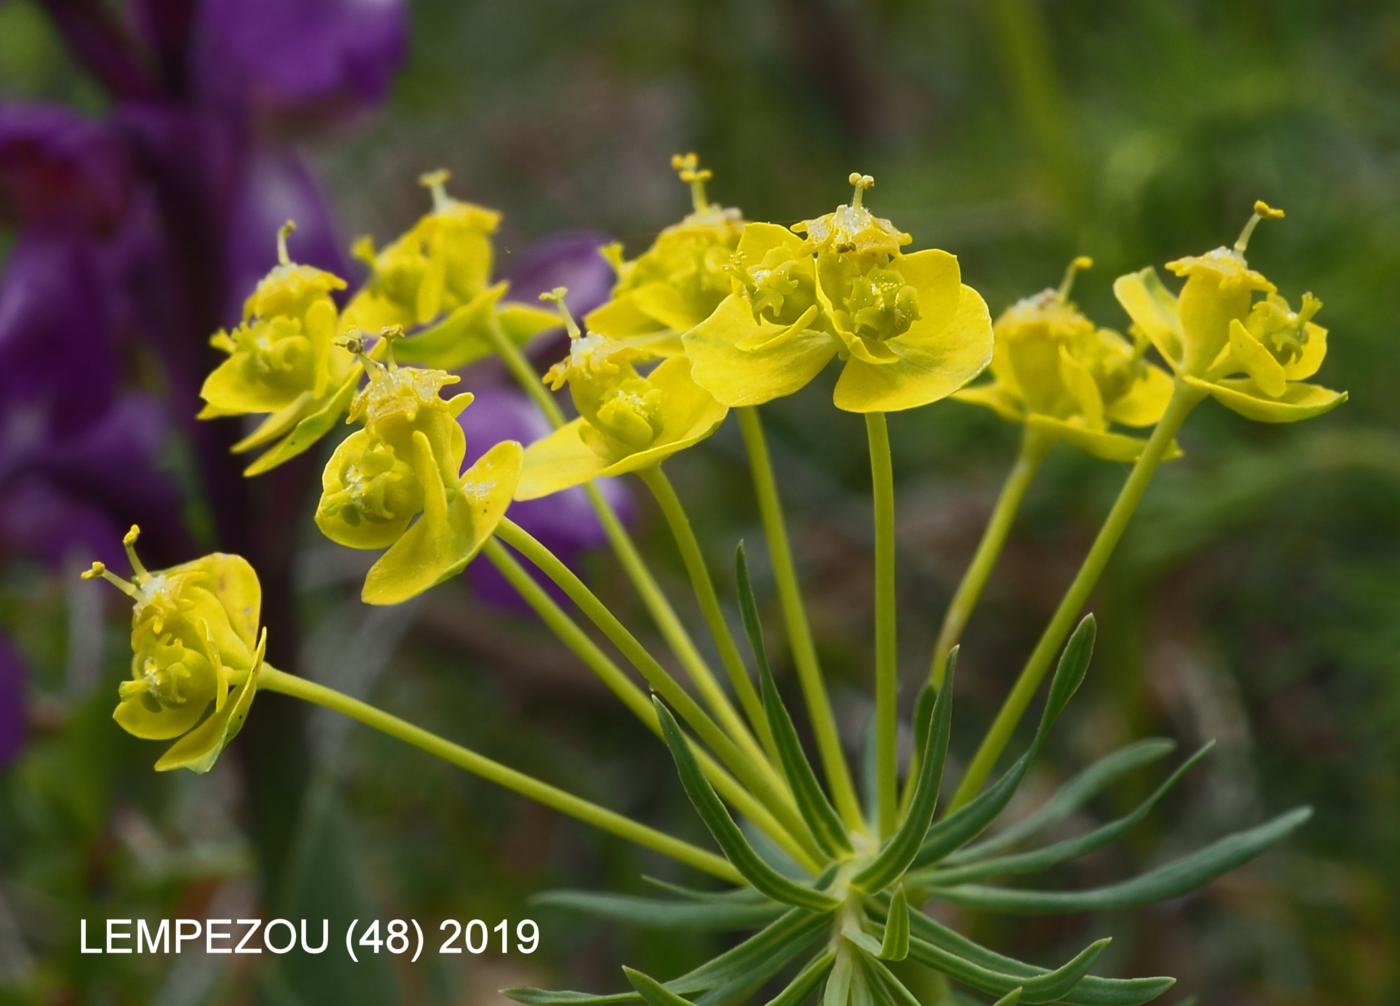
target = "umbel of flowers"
x: 717, y: 317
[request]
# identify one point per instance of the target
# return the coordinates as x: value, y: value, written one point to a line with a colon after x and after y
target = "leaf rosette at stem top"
x: 907, y: 328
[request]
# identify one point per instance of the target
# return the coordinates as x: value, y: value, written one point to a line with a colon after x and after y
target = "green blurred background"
x: 1255, y: 600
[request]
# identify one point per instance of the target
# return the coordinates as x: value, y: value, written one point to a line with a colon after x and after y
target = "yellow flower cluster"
x: 1252, y: 355
x: 196, y: 649
x: 405, y: 463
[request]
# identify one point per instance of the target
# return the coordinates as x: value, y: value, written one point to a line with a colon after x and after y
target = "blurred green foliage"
x: 1255, y: 599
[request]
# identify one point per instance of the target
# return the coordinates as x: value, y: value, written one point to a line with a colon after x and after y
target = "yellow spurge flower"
x: 907, y: 328
x: 627, y: 422
x: 1253, y: 356
x: 281, y: 359
x: 438, y: 273
x: 1057, y: 372
x: 680, y: 279
x: 441, y: 263
x: 406, y: 463
x: 196, y: 649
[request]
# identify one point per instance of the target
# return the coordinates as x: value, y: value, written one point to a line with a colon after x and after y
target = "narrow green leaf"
x: 903, y: 846
x: 742, y: 987
x: 726, y: 833
x: 658, y: 913
x: 838, y: 986
x: 1043, y: 988
x: 1037, y: 860
x: 812, y: 802
x: 960, y: 827
x: 1071, y: 796
x: 653, y: 993
x: 896, y: 991
x: 1091, y: 991
x: 797, y: 990
x: 1010, y: 999
x: 895, y: 945
x: 780, y: 939
x: 1166, y: 881
x: 545, y: 997
x: 728, y: 896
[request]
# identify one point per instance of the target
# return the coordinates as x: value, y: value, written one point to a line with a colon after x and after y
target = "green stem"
x: 273, y: 680
x: 804, y: 652
x: 572, y: 636
x: 759, y: 776
x: 665, y: 617
x: 886, y: 654
x: 1184, y: 399
x: 1033, y: 447
x: 704, y: 587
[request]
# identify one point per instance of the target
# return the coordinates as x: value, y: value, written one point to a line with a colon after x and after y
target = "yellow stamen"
x: 387, y: 335
x: 99, y: 569
x: 282, y: 232
x: 129, y: 543
x: 1079, y: 263
x: 860, y: 183
x: 1262, y: 211
x: 687, y: 166
x: 556, y: 297
x: 435, y: 182
x: 353, y: 342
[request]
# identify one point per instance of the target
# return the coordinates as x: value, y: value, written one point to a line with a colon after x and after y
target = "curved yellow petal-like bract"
x: 933, y: 362
x: 140, y: 719
x: 453, y: 527
x: 557, y: 462
x: 310, y: 428
x: 1257, y: 361
x: 619, y: 318
x: 742, y: 361
x: 1310, y: 360
x: 993, y: 396
x: 938, y: 278
x: 1143, y: 403
x: 1153, y: 309
x: 199, y: 749
x: 1298, y: 401
x: 563, y: 459
x: 1100, y: 443
x: 460, y: 338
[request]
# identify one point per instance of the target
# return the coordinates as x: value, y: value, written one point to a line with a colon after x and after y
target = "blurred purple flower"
x: 60, y: 169
x: 298, y: 59
x: 564, y: 521
x: 12, y: 716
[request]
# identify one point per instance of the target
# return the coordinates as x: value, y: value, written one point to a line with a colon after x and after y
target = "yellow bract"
x: 196, y: 649
x: 1057, y: 372
x: 909, y: 331
x: 1253, y: 356
x: 406, y: 463
x: 680, y: 279
x: 281, y: 359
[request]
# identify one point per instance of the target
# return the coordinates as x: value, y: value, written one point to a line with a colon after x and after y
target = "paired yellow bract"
x: 717, y: 313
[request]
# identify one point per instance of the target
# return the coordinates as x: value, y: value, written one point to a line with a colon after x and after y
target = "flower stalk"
x: 1184, y: 399
x: 886, y: 620
x: 799, y: 631
x: 502, y: 775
